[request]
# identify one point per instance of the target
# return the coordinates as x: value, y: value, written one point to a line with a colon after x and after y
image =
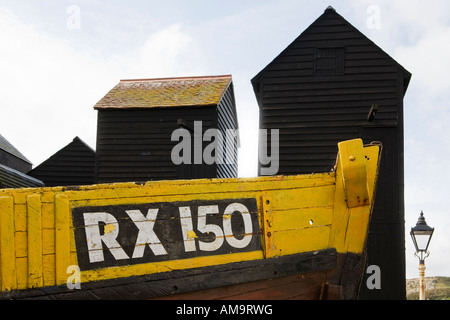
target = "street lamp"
x: 421, y: 236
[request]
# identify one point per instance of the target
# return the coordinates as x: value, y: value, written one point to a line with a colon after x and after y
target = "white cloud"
x: 428, y: 61
x: 47, y: 96
x: 169, y: 52
x: 49, y: 88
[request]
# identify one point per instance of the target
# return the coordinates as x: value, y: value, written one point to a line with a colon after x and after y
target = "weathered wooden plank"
x: 7, y: 245
x: 203, y: 278
x: 354, y: 173
x: 62, y: 237
x: 34, y: 214
x: 302, y: 218
x: 166, y: 266
x: 49, y: 267
x: 48, y: 241
x: 356, y: 236
x: 296, y: 287
x: 22, y: 272
x: 293, y: 241
x: 21, y: 244
x: 196, y: 187
x: 20, y: 217
x: 320, y: 196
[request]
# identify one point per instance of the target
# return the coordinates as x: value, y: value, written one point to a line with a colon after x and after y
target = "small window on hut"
x: 329, y: 61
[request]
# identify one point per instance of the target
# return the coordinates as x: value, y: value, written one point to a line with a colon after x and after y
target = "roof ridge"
x: 166, y: 92
x: 177, y: 78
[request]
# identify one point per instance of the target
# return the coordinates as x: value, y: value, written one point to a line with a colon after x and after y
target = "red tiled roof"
x: 166, y: 92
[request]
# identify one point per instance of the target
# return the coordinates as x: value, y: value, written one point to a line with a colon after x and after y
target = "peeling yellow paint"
x: 192, y: 235
x: 109, y: 228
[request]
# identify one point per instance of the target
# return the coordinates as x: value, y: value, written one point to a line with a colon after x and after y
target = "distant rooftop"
x: 166, y: 92
x: 10, y: 178
x: 5, y: 145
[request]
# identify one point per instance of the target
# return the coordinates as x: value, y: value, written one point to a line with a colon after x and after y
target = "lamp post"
x: 421, y: 236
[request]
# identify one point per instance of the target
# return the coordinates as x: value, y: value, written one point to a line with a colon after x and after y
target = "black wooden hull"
x: 322, y: 274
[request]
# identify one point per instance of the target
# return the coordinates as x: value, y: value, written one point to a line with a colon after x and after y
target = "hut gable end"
x: 329, y: 47
x: 73, y: 165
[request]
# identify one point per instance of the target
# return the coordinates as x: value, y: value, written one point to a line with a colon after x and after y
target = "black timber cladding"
x: 318, y: 92
x: 13, y: 158
x: 227, y: 122
x: 14, y: 167
x: 134, y: 143
x: 73, y: 165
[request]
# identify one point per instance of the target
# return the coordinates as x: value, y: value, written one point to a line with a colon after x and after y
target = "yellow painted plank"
x: 62, y: 237
x: 165, y: 266
x: 20, y: 217
x: 48, y: 269
x: 34, y: 208
x: 21, y: 244
x: 7, y: 245
x: 73, y: 258
x: 301, y: 240
x: 213, y: 187
x: 322, y: 196
x: 48, y: 241
x: 22, y: 273
x: 349, y: 226
x: 340, y: 214
x: 353, y: 168
x: 48, y: 215
x: 357, y: 229
x: 302, y: 218
x: 358, y: 224
x: 177, y: 188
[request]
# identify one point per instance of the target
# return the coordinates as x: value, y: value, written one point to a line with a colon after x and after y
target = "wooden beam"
x: 62, y: 237
x: 34, y: 231
x: 354, y: 173
x: 7, y: 245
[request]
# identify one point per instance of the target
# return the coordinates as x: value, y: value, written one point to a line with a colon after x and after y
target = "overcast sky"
x: 58, y: 58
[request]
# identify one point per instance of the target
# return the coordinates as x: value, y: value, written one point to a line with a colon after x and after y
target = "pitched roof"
x: 10, y: 178
x: 330, y: 13
x: 166, y: 92
x: 8, y: 147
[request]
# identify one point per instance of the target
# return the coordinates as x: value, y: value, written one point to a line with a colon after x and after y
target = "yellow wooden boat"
x: 281, y: 237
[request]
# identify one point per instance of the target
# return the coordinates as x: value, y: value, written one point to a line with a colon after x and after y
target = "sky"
x: 58, y: 58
